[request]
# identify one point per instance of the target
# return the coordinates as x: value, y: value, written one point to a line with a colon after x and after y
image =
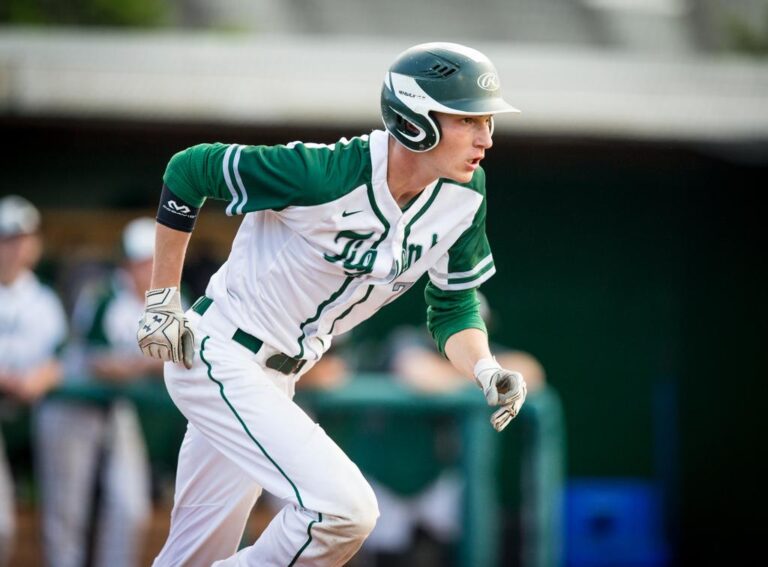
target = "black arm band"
x: 176, y: 213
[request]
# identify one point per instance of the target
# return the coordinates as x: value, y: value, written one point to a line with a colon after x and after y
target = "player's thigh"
x: 241, y: 410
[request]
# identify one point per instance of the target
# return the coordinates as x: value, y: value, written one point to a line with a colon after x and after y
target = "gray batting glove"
x: 501, y: 387
x: 164, y: 332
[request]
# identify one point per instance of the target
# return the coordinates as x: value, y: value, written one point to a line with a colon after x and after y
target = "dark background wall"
x: 635, y: 271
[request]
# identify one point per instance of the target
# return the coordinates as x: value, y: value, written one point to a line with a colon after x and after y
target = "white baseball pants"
x: 245, y: 433
x: 73, y: 441
x: 7, y: 507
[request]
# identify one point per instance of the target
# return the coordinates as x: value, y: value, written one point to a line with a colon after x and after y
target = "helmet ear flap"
x: 406, y: 125
x: 415, y: 130
x: 436, y: 127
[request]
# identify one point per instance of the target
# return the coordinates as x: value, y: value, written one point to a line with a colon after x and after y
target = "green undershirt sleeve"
x: 451, y: 311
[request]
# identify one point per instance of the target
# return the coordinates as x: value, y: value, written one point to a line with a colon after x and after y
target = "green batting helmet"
x: 437, y: 77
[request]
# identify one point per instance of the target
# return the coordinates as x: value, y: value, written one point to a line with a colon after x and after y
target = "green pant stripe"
x: 245, y: 427
x: 309, y: 538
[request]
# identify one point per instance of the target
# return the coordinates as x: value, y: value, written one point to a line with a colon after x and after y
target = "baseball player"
x: 331, y: 233
x: 32, y: 329
x: 84, y: 446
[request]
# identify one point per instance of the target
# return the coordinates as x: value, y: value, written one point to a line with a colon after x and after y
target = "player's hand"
x: 503, y: 388
x: 164, y: 332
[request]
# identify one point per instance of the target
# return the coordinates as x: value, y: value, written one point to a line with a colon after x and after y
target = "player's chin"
x: 463, y: 176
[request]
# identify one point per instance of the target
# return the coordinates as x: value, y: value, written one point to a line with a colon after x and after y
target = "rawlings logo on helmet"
x: 488, y: 81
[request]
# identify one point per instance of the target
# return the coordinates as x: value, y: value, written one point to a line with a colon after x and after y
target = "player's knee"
x: 365, y: 517
x: 361, y: 513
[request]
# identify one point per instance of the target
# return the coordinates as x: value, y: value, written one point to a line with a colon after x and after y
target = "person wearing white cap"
x: 32, y: 329
x: 87, y: 447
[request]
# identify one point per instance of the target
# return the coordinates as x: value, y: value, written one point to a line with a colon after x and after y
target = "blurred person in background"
x: 33, y: 328
x: 94, y: 469
x: 531, y: 473
x: 421, y: 515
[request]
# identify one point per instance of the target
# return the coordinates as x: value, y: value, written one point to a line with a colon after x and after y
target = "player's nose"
x: 483, y: 137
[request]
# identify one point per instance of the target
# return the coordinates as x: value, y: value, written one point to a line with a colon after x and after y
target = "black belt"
x: 280, y: 362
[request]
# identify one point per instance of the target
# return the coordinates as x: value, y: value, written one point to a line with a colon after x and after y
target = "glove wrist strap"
x: 484, y: 369
x: 160, y: 297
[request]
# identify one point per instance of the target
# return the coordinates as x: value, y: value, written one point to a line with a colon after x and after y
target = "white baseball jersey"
x: 32, y: 328
x: 323, y: 244
x: 33, y: 324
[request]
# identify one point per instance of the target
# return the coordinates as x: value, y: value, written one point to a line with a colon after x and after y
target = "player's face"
x: 17, y: 253
x: 463, y: 143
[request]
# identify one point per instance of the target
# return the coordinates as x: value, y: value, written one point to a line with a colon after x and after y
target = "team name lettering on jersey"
x: 409, y: 255
x: 355, y: 262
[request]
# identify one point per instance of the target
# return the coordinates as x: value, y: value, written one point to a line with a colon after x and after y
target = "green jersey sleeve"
x: 254, y: 178
x: 469, y: 262
x: 451, y: 296
x: 449, y: 312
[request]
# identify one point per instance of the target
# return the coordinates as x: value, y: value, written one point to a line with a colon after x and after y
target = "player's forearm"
x: 465, y: 348
x: 170, y: 251
x: 39, y: 381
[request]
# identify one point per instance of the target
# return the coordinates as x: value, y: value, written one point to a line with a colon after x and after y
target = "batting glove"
x: 501, y: 388
x: 164, y: 332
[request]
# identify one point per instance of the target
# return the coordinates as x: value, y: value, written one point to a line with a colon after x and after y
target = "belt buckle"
x: 284, y: 363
